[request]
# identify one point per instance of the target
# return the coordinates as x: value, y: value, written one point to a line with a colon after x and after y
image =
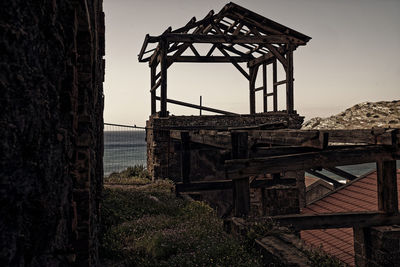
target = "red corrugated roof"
x: 359, y: 195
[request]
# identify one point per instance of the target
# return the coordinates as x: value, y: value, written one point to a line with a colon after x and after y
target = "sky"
x: 353, y: 56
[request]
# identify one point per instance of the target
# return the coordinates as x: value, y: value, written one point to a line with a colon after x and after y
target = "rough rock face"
x: 382, y: 114
x: 51, y: 131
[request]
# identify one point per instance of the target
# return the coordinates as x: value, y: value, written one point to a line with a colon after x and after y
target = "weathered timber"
x: 163, y: 78
x: 337, y: 220
x: 264, y: 126
x: 364, y: 136
x: 275, y: 87
x: 206, y: 59
x: 387, y: 186
x: 185, y: 157
x: 256, y: 183
x: 330, y: 157
x: 312, y: 138
x: 241, y: 187
x: 155, y: 85
x: 181, y: 103
x: 204, y: 186
x: 153, y: 92
x: 335, y: 183
x: 280, y: 150
x: 235, y: 63
x: 252, y: 92
x: 265, y: 95
x: 341, y: 173
x: 289, y: 81
x: 210, y: 138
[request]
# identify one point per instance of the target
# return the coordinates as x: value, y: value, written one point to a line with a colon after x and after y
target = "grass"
x: 146, y: 225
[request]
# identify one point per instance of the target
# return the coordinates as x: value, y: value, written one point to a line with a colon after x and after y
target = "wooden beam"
x: 252, y: 92
x: 279, y: 151
x: 387, y: 186
x: 155, y: 86
x: 341, y: 173
x: 303, y: 161
x: 267, y: 58
x: 204, y: 186
x: 209, y: 138
x: 163, y: 78
x: 181, y: 103
x: 206, y: 59
x: 221, y: 38
x: 311, y: 138
x: 235, y: 63
x: 289, y: 83
x: 336, y: 220
x: 153, y: 92
x: 275, y: 87
x: 265, y: 95
x: 335, y: 183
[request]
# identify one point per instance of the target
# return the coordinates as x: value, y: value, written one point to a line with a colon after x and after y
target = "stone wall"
x: 377, y: 246
x: 51, y: 131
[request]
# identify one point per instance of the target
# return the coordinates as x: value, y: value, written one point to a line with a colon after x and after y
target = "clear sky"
x: 353, y: 56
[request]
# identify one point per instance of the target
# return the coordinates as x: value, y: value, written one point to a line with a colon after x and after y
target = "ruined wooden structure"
x: 241, y: 36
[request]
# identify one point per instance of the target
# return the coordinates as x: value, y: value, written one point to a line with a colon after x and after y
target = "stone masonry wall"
x: 51, y: 131
x: 377, y: 246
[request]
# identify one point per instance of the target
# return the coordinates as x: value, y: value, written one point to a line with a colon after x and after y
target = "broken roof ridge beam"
x: 341, y: 173
x: 189, y: 105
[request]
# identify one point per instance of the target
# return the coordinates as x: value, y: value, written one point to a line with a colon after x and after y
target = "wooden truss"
x: 241, y: 36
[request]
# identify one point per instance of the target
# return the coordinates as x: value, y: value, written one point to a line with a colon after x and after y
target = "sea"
x: 123, y: 149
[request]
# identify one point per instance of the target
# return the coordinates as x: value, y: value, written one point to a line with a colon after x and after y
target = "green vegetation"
x: 144, y: 224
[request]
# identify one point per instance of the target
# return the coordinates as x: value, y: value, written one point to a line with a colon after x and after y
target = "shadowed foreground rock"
x: 51, y: 127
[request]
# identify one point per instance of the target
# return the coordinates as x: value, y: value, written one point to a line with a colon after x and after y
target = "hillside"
x: 383, y: 114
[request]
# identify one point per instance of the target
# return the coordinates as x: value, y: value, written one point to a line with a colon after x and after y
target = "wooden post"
x: 275, y: 86
x: 164, y: 66
x: 265, y: 97
x: 200, y: 104
x: 252, y: 89
x: 289, y: 82
x: 387, y: 186
x: 241, y: 187
x: 153, y: 92
x: 185, y: 157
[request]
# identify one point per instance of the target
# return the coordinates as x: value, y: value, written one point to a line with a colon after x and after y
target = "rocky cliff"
x: 383, y: 114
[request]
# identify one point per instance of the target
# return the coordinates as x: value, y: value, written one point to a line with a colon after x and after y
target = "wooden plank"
x: 365, y: 136
x: 303, y: 161
x: 335, y: 183
x: 204, y: 186
x: 181, y: 103
x: 341, y: 173
x: 252, y: 92
x: 185, y: 157
x: 279, y: 151
x: 336, y: 220
x: 280, y: 82
x: 387, y: 186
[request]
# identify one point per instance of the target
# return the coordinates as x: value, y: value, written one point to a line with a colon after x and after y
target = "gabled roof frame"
x: 258, y: 40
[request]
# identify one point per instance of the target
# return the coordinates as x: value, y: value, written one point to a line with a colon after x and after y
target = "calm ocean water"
x: 123, y: 149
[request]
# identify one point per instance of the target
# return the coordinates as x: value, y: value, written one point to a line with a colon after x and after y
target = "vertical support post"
x: 164, y: 66
x: 201, y: 102
x: 153, y: 93
x: 387, y: 186
x: 252, y: 90
x: 289, y: 82
x: 265, y: 97
x: 185, y: 157
x: 241, y: 187
x: 275, y: 86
